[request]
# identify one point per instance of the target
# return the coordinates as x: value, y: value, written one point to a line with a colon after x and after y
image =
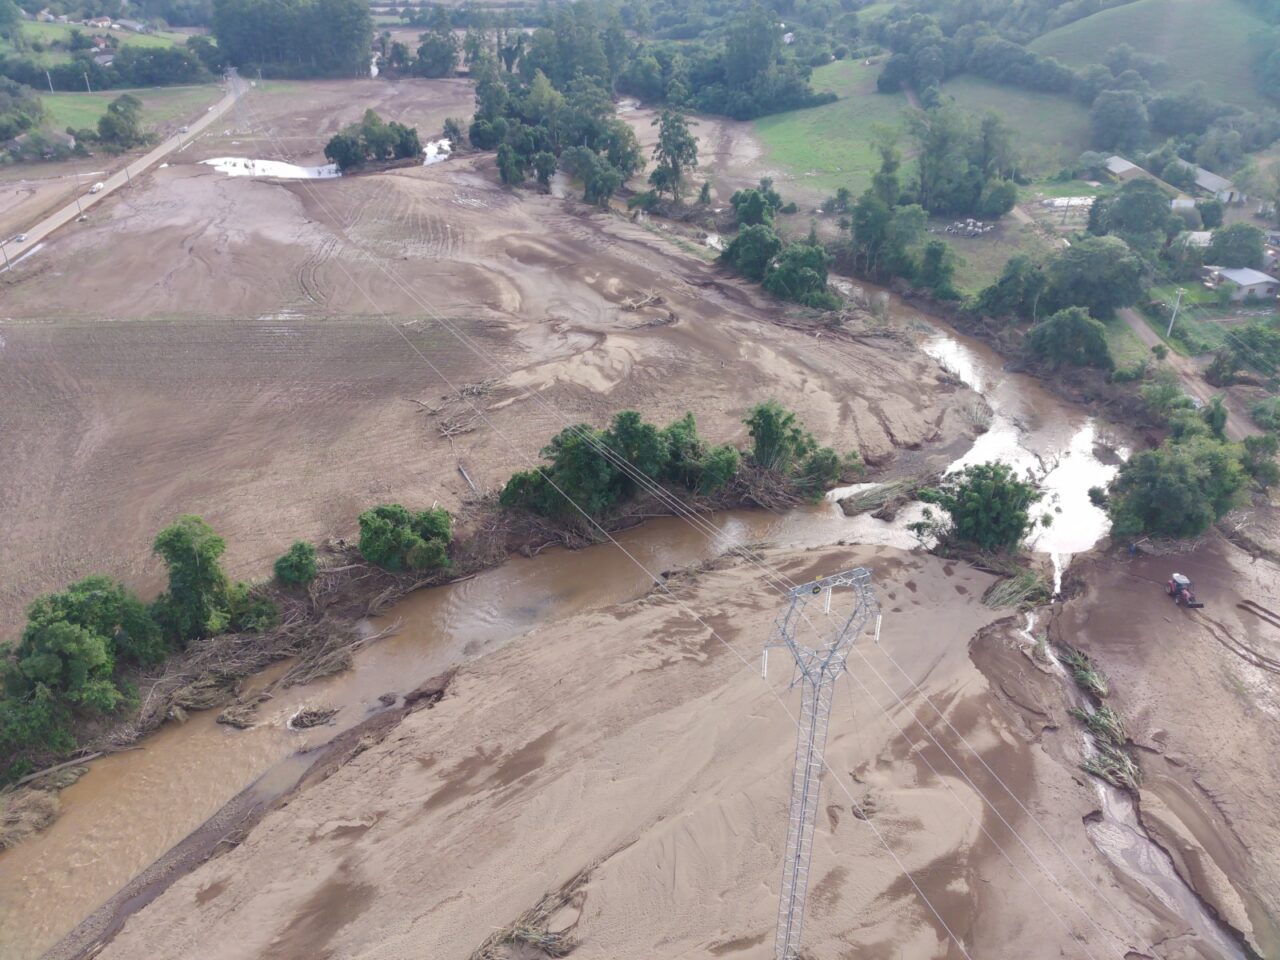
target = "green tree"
x: 74, y: 664
x: 779, y: 440
x: 1260, y: 459
x: 1016, y: 294
x: 107, y: 610
x: 195, y: 605
x: 753, y: 44
x: 1097, y: 273
x: 121, y: 126
x: 1211, y: 213
x: 544, y: 167
x: 395, y: 539
x: 345, y: 150
x: 988, y: 507
x: 1070, y: 337
x: 636, y: 443
x: 1118, y: 120
x: 1214, y: 415
x: 799, y: 273
x: 1239, y: 245
x: 510, y: 167
x: 676, y: 153
x: 752, y: 250
x: 704, y: 195
x: 938, y: 268
x: 751, y: 208
x: 297, y: 566
x: 1177, y: 490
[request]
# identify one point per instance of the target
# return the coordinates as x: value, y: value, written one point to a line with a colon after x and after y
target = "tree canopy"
x: 311, y: 38
x: 988, y: 507
x: 1070, y: 337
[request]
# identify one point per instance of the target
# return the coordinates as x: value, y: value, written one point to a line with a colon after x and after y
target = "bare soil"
x: 1199, y: 695
x: 252, y: 351
x: 633, y: 744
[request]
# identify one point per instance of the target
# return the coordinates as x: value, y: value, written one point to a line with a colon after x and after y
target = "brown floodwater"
x: 132, y: 807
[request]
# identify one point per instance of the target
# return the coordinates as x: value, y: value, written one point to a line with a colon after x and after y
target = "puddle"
x: 275, y: 169
x: 436, y: 151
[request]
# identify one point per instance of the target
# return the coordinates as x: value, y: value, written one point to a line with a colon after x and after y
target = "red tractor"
x: 1180, y: 589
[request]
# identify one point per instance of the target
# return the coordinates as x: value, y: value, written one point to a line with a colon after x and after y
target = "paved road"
x: 59, y: 218
x: 1239, y: 424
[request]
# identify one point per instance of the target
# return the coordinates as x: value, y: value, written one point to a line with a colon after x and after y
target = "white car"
x: 20, y: 238
x: 96, y: 188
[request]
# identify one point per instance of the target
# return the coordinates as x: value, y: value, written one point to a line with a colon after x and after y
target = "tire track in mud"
x: 308, y: 271
x: 1241, y: 650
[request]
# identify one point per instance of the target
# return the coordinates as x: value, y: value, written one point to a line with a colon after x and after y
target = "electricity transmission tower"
x: 817, y: 667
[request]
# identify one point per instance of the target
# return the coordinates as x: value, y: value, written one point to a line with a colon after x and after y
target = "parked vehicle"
x: 20, y: 238
x: 96, y: 188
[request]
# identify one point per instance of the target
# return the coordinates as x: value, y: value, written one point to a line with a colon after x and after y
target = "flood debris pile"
x: 540, y: 931
x: 1111, y: 760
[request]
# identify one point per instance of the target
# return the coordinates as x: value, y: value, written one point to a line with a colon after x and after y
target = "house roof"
x: 1118, y: 165
x: 1182, y: 203
x: 1247, y: 276
x: 1211, y: 181
x: 1200, y: 238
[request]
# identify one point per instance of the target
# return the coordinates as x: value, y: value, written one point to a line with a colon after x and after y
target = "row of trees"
x: 592, y: 473
x: 133, y: 66
x: 300, y: 38
x: 81, y: 646
x: 372, y: 139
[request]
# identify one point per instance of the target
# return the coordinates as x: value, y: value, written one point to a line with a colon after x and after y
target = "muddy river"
x: 132, y: 807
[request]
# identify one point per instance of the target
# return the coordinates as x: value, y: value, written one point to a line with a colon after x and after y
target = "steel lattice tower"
x: 817, y: 668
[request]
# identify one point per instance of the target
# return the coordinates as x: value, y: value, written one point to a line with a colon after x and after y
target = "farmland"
x: 1206, y: 41
x: 46, y: 34
x: 159, y: 105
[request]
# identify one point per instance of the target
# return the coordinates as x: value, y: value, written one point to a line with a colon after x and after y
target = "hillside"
x: 1200, y: 39
x: 1052, y: 129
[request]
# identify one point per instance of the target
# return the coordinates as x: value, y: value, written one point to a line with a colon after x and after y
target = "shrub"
x: 297, y: 566
x: 393, y: 538
x: 987, y: 505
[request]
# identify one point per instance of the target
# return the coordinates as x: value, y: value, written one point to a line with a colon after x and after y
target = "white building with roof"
x: 1250, y: 283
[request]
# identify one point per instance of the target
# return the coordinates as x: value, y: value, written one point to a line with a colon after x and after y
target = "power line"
x: 658, y: 581
x: 680, y: 509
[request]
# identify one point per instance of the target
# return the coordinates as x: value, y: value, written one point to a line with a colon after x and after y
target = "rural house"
x: 1250, y: 283
x: 98, y: 22
x: 1122, y: 169
x: 133, y: 25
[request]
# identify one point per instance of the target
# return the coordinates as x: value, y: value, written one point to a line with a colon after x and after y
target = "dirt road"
x: 1239, y: 425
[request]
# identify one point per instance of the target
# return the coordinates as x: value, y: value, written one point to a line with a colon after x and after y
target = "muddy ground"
x: 633, y: 743
x: 252, y: 351
x: 1200, y: 695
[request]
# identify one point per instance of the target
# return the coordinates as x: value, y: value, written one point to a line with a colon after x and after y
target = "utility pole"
x: 817, y: 668
x: 7, y: 265
x: 49, y: 78
x: 86, y: 81
x: 1168, y: 333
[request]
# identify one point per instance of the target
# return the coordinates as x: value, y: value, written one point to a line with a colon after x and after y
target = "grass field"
x: 159, y: 105
x: 1052, y: 130
x: 1126, y: 348
x: 831, y: 146
x: 48, y: 33
x: 1200, y: 39
x: 984, y: 257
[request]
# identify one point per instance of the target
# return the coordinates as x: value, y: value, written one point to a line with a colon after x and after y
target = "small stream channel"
x: 182, y: 774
